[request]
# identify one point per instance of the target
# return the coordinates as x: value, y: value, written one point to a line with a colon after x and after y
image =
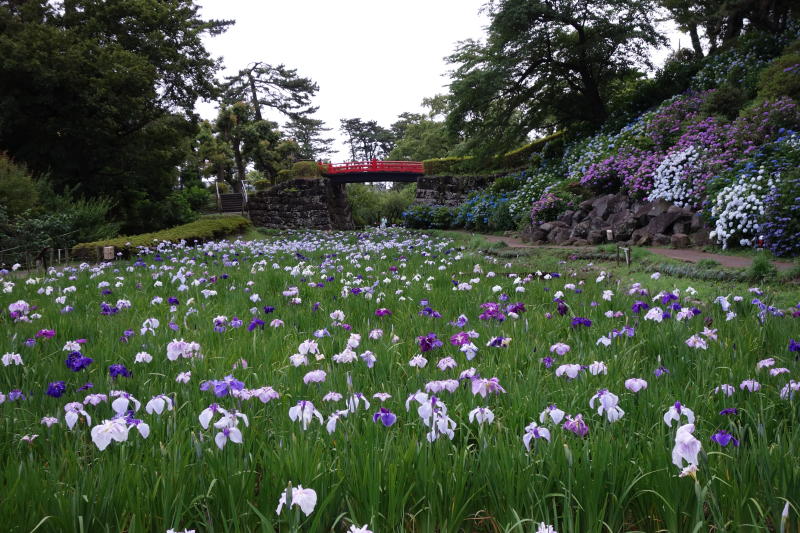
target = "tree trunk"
x: 698, y: 48
x: 240, y: 168
x: 254, y: 95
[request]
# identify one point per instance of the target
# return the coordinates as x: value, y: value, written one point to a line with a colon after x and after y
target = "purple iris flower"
x: 236, y: 322
x: 15, y: 395
x: 88, y: 385
x: 383, y: 312
x: 794, y: 346
x: 729, y: 411
x: 517, y: 308
x: 173, y: 301
x: 173, y: 326
x: 117, y: 370
x: 576, y: 425
x: 255, y: 323
x: 668, y: 297
x: 661, y: 371
x: 268, y: 309
x: 386, y: 417
x: 222, y: 387
x: 46, y: 334
x: 723, y: 438
x: 562, y: 308
x: 429, y: 311
x: 76, y: 361
x: 315, y: 307
x: 56, y: 389
x: 639, y: 306
x: 580, y: 321
x: 547, y: 362
x: 108, y: 310
x: 30, y: 343
x: 491, y: 310
x: 429, y: 342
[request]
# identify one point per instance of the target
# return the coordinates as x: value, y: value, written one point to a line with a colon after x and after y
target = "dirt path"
x: 689, y: 255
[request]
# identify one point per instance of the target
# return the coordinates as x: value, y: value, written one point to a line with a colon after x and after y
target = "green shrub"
x: 18, y: 191
x: 505, y: 184
x: 306, y: 169
x: 369, y: 205
x: 762, y: 268
x: 726, y: 102
x: 781, y: 78
x: 262, y: 185
x: 285, y: 175
x: 516, y: 159
x: 206, y: 228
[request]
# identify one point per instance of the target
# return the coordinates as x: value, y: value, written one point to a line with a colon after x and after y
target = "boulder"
x: 567, y: 216
x: 679, y: 240
x: 579, y: 231
x: 662, y: 222
x: 659, y: 239
x: 700, y: 238
x: 596, y: 237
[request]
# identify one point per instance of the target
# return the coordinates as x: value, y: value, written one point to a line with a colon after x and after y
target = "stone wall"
x: 632, y: 222
x: 449, y: 190
x: 311, y: 203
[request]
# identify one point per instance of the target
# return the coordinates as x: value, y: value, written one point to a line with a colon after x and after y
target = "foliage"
x: 518, y: 158
x: 100, y: 95
x: 306, y: 169
x: 308, y: 133
x: 739, y: 64
x: 535, y: 182
x: 366, y: 139
x: 370, y: 205
x: 781, y: 77
x: 422, y: 138
x: 19, y: 192
x: 545, y: 65
x: 276, y: 87
x: 204, y: 229
x: 428, y: 216
x: 59, y: 222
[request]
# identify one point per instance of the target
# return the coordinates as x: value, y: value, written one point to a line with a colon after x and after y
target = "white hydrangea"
x: 739, y: 208
x: 669, y: 179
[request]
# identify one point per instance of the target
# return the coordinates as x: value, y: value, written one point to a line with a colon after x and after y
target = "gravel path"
x: 689, y: 255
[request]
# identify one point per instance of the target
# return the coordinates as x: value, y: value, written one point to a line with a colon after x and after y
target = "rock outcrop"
x: 631, y: 222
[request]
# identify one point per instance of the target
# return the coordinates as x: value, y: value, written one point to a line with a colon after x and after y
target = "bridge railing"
x: 372, y: 166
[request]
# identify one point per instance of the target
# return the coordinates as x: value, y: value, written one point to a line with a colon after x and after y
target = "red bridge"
x: 366, y: 171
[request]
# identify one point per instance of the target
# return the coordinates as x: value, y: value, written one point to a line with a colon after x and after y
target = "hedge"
x: 515, y: 159
x: 204, y: 229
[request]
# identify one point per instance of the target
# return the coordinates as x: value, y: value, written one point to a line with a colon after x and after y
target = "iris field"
x: 393, y: 381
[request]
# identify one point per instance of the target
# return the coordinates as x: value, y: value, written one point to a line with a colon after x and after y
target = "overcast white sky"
x: 372, y: 59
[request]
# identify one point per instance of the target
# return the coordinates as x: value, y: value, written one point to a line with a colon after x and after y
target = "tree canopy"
x: 99, y: 95
x: 546, y: 64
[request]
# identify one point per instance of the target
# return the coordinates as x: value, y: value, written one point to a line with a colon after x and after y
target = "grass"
x: 620, y: 477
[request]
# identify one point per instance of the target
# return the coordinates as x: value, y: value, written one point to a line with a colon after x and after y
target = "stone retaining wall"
x: 449, y: 190
x: 632, y: 222
x: 311, y: 203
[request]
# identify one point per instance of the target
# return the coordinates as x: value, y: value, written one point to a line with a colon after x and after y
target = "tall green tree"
x: 275, y: 87
x: 546, y: 64
x: 309, y: 134
x: 100, y: 95
x: 366, y: 139
x: 252, y: 141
